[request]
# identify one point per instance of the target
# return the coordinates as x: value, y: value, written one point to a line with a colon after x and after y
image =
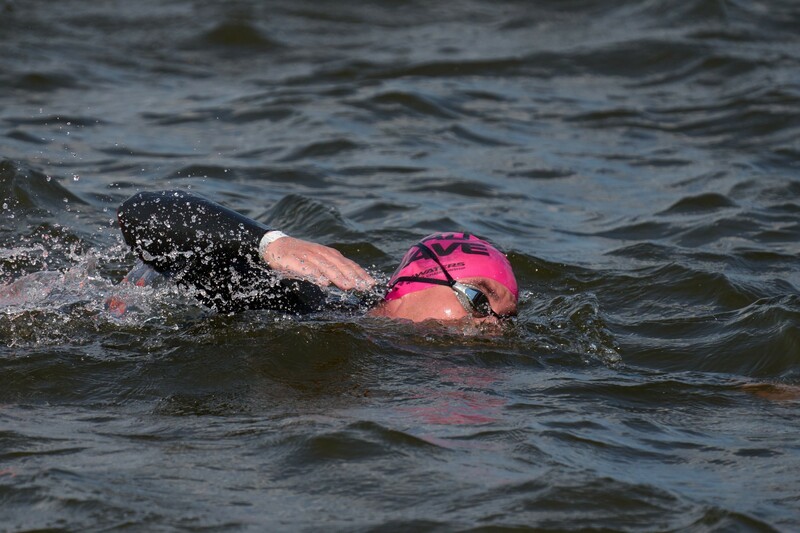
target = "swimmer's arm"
x: 176, y: 231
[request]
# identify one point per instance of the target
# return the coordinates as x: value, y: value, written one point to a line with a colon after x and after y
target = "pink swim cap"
x: 463, y: 255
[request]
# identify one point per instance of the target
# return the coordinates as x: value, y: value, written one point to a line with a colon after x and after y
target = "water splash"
x: 571, y: 324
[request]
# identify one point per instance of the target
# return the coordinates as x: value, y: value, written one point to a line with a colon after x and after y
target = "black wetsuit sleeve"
x: 173, y: 230
x: 209, y: 248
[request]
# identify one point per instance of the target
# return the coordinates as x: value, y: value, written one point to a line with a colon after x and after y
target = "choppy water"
x: 638, y: 160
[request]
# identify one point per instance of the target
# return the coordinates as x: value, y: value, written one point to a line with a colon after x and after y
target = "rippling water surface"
x: 638, y: 160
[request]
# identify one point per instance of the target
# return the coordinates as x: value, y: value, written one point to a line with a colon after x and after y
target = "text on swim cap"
x: 448, y: 237
x: 470, y: 248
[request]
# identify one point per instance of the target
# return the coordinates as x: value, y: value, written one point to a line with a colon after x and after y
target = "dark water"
x: 638, y: 160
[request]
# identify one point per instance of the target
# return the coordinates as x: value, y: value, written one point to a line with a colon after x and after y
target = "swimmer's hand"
x: 316, y: 263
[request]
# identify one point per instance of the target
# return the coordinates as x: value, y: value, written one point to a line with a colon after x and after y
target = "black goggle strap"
x: 481, y: 306
x: 449, y: 282
x: 415, y: 279
x: 427, y: 251
x: 470, y: 304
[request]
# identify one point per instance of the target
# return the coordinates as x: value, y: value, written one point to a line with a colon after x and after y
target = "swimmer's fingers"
x: 317, y: 263
x: 347, y: 273
x: 332, y: 267
x: 325, y: 266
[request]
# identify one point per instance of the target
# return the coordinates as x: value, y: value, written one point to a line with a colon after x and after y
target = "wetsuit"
x: 211, y: 250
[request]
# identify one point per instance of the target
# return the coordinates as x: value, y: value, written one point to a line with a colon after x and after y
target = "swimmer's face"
x: 440, y: 303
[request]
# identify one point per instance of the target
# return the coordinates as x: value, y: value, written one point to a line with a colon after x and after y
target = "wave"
x: 23, y: 190
x: 237, y: 34
x: 46, y: 81
x: 299, y: 215
x: 321, y: 149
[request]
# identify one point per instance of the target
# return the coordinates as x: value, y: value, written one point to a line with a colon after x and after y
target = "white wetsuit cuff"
x: 270, y: 236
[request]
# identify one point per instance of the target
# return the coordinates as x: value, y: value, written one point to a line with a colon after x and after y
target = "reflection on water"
x: 638, y: 162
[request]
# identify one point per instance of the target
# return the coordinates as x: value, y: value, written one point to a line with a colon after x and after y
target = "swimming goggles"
x: 472, y: 299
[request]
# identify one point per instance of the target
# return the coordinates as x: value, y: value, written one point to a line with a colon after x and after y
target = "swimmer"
x: 230, y: 262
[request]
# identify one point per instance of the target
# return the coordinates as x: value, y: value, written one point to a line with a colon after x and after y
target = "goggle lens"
x: 473, y: 300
